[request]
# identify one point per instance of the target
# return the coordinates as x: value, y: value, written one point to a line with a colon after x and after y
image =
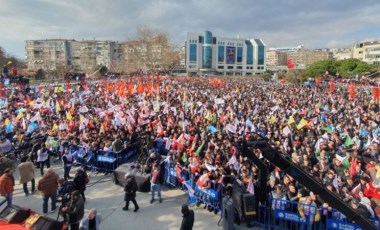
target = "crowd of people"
x: 329, y: 131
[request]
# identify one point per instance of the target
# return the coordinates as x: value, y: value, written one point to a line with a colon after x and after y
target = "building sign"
x: 230, y: 55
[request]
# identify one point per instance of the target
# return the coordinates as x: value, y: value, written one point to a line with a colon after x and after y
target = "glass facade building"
x: 208, y: 54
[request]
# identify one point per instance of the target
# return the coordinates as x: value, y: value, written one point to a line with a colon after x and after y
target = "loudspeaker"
x: 143, y: 182
x: 249, y: 202
x: 45, y: 223
x: 14, y: 214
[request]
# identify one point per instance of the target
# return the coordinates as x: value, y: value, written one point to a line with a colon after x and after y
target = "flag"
x: 9, y: 62
x: 272, y: 119
x: 291, y: 65
x: 9, y: 127
x: 58, y: 107
x: 69, y: 116
x: 37, y: 117
x: 328, y: 129
x: 332, y: 86
x: 55, y: 127
x: 286, y: 131
x: 376, y: 93
x: 348, y: 141
x: 291, y: 120
x: 352, y: 170
x: 251, y: 187
x: 212, y: 129
x: 302, y: 124
x: 179, y: 176
x: 189, y: 188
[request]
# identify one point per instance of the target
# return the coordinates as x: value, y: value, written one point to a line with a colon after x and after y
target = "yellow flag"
x: 81, y: 118
x: 6, y: 122
x: 9, y: 62
x: 58, y: 107
x: 68, y: 116
x: 60, y: 89
x: 291, y: 120
x: 31, y: 103
x: 19, y: 116
x: 208, y: 116
x: 272, y: 119
x: 56, y: 90
x: 43, y: 103
x: 302, y: 124
x: 55, y: 127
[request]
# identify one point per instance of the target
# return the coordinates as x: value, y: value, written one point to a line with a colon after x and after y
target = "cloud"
x: 320, y: 24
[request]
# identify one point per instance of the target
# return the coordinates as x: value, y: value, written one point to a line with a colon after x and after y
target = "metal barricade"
x: 284, y: 214
x: 102, y: 160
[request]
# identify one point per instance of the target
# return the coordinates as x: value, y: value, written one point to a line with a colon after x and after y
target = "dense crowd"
x: 331, y: 132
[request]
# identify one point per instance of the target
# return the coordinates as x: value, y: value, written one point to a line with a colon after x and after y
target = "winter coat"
x: 130, y: 189
x: 26, y: 170
x: 188, y: 220
x: 7, y: 184
x: 75, y: 211
x: 79, y: 181
x: 48, y: 184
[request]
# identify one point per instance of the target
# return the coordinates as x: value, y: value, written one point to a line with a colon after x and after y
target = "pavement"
x: 108, y: 199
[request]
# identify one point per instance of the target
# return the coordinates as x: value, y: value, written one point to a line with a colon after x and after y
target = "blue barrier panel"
x: 283, y: 214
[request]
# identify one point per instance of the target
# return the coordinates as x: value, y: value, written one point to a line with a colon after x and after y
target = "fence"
x: 211, y: 197
x: 101, y: 160
x: 283, y: 214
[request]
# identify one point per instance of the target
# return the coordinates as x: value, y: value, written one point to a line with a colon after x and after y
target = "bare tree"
x: 149, y: 51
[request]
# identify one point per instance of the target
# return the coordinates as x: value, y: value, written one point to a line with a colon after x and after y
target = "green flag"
x: 199, y: 150
x: 346, y: 163
x: 328, y: 129
x: 348, y: 141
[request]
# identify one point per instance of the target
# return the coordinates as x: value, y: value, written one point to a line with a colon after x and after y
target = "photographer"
x: 74, y: 210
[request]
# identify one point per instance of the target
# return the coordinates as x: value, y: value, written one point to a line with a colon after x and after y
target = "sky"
x: 280, y: 23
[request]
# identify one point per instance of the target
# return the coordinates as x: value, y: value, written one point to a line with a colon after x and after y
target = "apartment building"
x: 368, y: 52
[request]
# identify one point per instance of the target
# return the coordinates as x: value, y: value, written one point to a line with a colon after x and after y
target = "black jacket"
x: 130, y: 189
x: 79, y: 181
x: 188, y: 220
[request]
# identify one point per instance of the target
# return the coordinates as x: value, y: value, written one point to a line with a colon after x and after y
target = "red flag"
x: 332, y: 86
x: 352, y: 169
x: 376, y: 93
x: 318, y: 81
x: 179, y: 177
x: 351, y: 90
x: 291, y: 65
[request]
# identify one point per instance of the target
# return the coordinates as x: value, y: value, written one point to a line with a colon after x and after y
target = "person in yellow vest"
x: 309, y: 212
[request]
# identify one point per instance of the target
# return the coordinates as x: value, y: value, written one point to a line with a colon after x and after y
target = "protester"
x: 155, y: 183
x: 48, y: 187
x: 187, y: 218
x: 43, y: 158
x: 26, y: 170
x: 7, y: 183
x: 80, y: 181
x: 67, y: 159
x: 74, y: 210
x: 92, y: 221
x: 130, y: 190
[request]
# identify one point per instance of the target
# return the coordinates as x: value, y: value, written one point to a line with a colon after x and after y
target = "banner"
x: 340, y: 225
x: 289, y: 216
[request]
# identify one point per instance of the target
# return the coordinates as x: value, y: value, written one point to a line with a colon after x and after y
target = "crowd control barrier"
x: 284, y: 214
x: 211, y: 197
x: 101, y: 160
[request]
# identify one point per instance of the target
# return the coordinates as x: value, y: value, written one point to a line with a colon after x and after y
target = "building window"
x: 249, y: 52
x: 193, y: 53
x: 220, y: 53
x: 239, y: 57
x: 239, y: 67
x: 230, y: 67
x: 261, y: 52
x: 207, y: 57
x: 220, y: 67
x: 208, y: 37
